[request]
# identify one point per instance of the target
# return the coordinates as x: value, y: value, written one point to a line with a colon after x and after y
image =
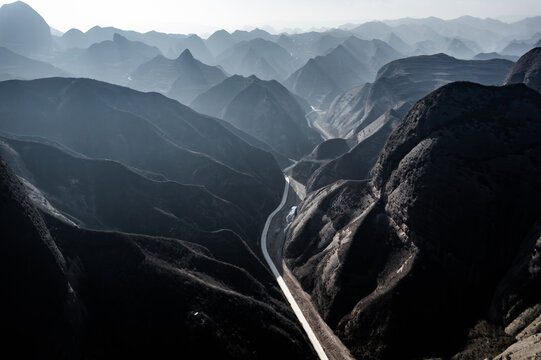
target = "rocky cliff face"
x: 527, y: 70
x: 40, y: 312
x: 407, y: 263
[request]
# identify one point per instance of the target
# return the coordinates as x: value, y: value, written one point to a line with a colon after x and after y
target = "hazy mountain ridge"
x: 350, y: 64
x: 15, y: 66
x: 264, y: 109
x: 263, y: 58
x: 182, y: 79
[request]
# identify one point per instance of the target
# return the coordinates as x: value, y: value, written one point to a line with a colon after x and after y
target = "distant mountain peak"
x: 23, y: 30
x: 186, y: 55
x: 18, y: 4
x: 119, y: 38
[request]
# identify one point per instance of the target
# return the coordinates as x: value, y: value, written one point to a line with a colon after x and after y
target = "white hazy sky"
x: 201, y: 16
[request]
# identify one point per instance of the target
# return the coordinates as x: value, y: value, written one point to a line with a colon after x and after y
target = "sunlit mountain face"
x: 317, y: 190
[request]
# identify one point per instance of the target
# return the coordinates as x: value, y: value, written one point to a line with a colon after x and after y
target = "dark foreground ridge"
x: 437, y: 254
x: 72, y: 293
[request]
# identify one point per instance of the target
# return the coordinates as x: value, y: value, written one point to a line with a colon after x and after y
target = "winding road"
x: 314, y: 125
x: 287, y: 293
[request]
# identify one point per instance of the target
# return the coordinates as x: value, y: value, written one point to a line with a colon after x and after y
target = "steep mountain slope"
x: 517, y: 48
x: 265, y: 59
x: 527, y: 70
x: 15, y: 66
x: 264, y: 109
x: 351, y: 64
x: 33, y: 268
x: 356, y: 163
x: 76, y: 293
x: 404, y: 265
x: 24, y: 31
x: 147, y: 132
x: 182, y: 79
x: 104, y: 194
x: 111, y: 60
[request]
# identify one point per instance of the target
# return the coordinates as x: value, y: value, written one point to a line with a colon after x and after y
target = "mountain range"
x: 263, y: 58
x: 369, y: 191
x: 102, y: 121
x: 109, y: 60
x: 350, y: 64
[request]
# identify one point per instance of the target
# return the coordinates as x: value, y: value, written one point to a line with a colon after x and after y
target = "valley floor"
x: 333, y: 347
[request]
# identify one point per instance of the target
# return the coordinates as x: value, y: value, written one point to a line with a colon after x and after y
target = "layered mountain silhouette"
x: 436, y: 254
x: 369, y: 113
x: 151, y: 134
x: 517, y: 48
x: 527, y: 70
x: 24, y: 31
x: 219, y: 41
x: 264, y: 109
x: 111, y: 60
x: 75, y: 38
x: 15, y: 66
x: 263, y: 58
x: 182, y: 79
x: 494, y: 55
x: 351, y: 64
x: 406, y: 81
x: 72, y: 293
x: 257, y: 33
x: 305, y: 46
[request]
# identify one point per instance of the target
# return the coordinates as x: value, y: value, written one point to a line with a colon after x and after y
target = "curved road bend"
x: 314, y: 125
x: 309, y: 332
